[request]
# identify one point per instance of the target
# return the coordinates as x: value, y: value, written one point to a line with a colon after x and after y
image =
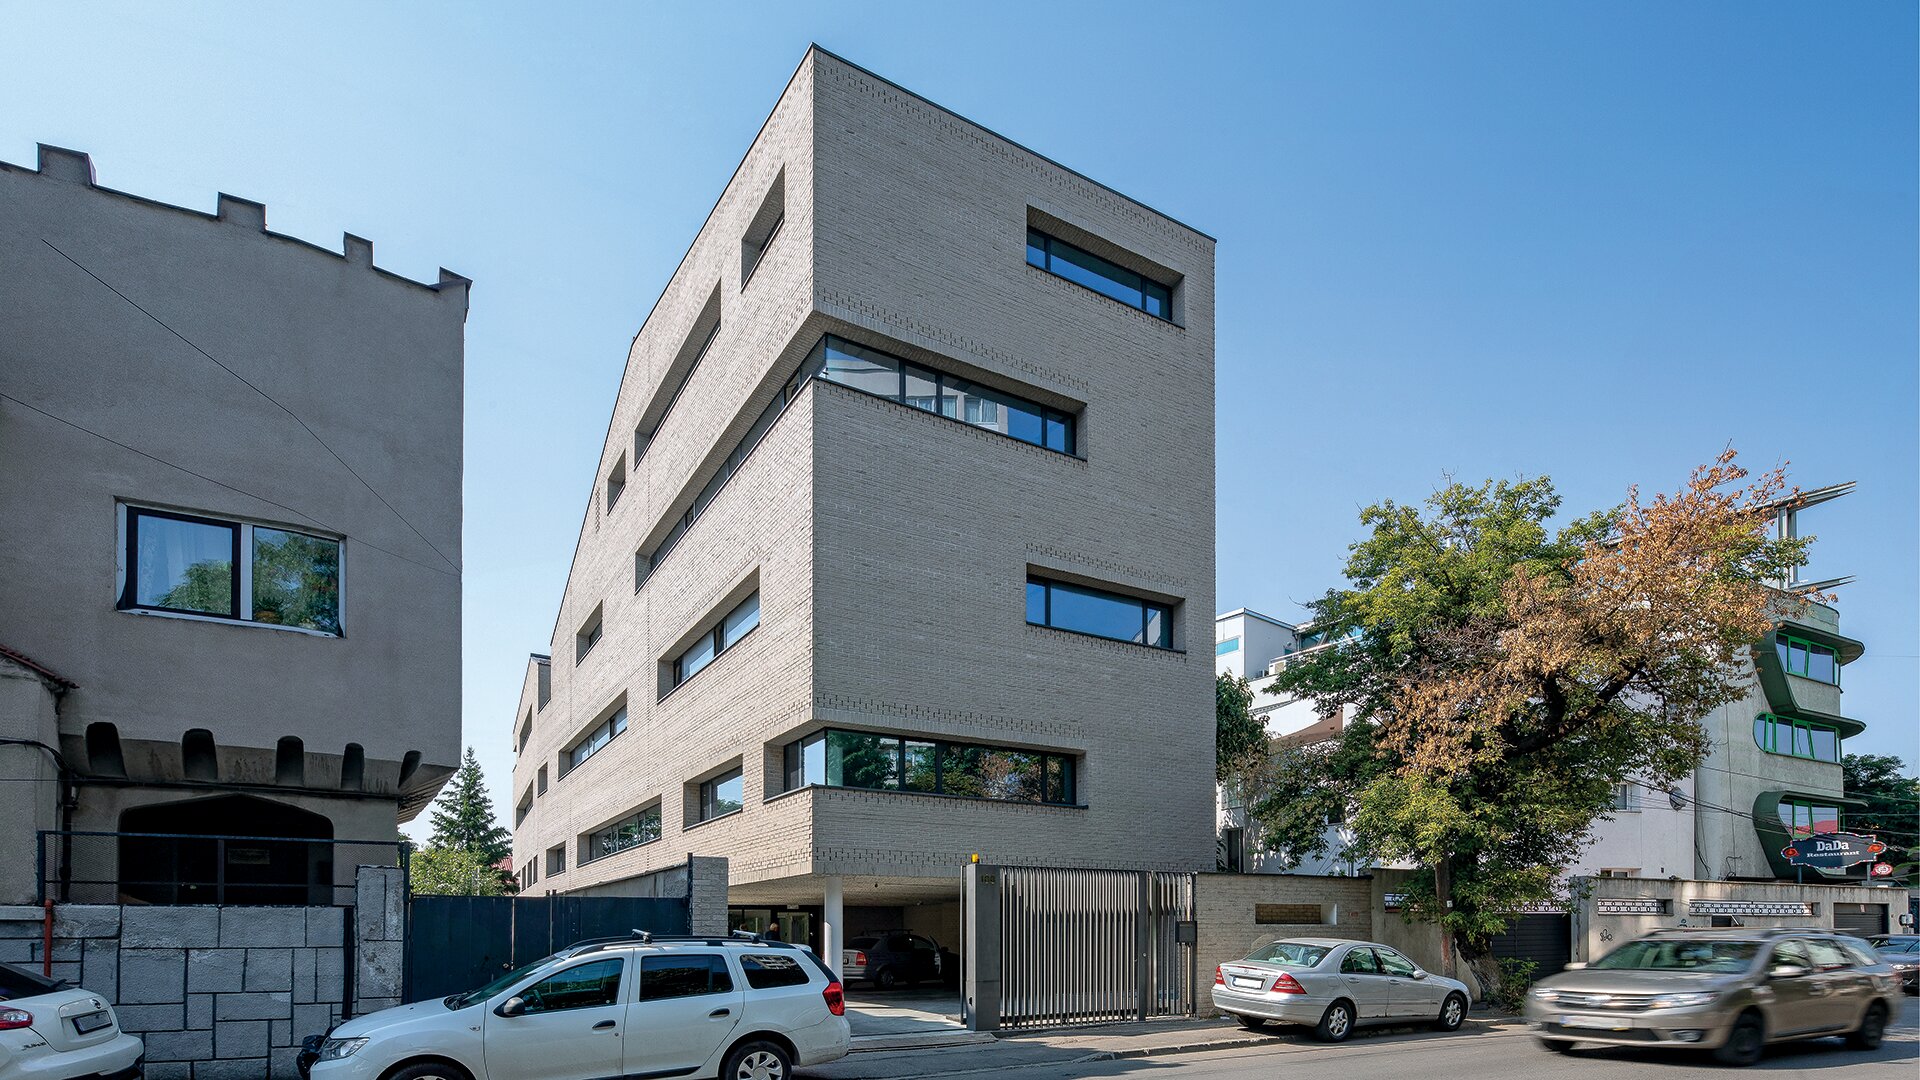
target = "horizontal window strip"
x: 880, y: 762
x: 1086, y: 610
x: 1090, y: 271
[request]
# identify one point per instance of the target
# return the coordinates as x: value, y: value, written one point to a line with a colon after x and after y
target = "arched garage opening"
x: 229, y: 849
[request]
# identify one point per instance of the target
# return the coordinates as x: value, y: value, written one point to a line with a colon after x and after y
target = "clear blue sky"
x: 1483, y: 239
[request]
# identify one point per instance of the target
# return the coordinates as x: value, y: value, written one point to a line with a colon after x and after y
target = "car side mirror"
x: 1419, y: 973
x: 513, y: 1006
x: 1788, y: 971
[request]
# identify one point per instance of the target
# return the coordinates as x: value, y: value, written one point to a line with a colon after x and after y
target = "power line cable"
x: 218, y: 483
x: 270, y: 398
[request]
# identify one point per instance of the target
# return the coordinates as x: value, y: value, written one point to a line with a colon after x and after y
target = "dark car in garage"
x: 896, y: 958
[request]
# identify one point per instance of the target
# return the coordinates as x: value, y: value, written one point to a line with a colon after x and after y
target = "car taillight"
x: 13, y: 1019
x: 860, y: 959
x: 1287, y: 984
x: 1219, y: 979
x: 836, y: 998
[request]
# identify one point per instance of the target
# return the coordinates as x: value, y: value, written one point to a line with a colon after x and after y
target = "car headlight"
x: 1682, y: 1001
x: 335, y: 1049
x: 1543, y: 993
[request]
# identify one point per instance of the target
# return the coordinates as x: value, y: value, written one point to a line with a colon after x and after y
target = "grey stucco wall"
x: 369, y: 361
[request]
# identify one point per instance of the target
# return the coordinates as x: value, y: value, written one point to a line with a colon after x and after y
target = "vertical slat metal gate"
x: 1080, y: 946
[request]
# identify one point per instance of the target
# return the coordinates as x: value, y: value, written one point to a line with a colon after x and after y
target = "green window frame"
x: 1808, y: 659
x: 1798, y: 738
x: 1806, y: 817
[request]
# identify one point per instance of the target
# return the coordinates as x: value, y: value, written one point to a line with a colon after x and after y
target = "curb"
x: 1176, y: 1048
x: 932, y: 1040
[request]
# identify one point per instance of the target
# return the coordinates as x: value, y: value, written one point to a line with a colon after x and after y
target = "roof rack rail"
x: 642, y: 937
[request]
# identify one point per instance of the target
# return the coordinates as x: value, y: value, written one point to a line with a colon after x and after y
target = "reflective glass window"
x: 296, y: 580
x: 183, y: 565
x: 861, y: 760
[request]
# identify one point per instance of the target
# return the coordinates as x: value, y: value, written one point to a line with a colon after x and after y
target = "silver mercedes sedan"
x: 1334, y: 986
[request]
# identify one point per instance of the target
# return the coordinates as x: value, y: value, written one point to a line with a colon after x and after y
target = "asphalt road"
x: 1478, y: 1052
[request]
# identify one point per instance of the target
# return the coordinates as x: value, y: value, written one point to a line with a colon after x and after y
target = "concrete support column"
x: 833, y: 922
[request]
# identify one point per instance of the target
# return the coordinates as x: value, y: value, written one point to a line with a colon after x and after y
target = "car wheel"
x: 1453, y: 1013
x: 428, y: 1070
x: 1558, y: 1046
x: 1744, y: 1043
x: 1251, y: 1023
x: 1336, y: 1023
x: 885, y: 979
x: 757, y: 1061
x: 1872, y: 1029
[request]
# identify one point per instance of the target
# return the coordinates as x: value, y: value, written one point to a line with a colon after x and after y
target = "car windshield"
x: 1681, y: 954
x: 1291, y: 954
x: 482, y: 993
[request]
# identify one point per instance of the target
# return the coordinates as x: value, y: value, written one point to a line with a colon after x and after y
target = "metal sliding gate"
x: 1087, y: 945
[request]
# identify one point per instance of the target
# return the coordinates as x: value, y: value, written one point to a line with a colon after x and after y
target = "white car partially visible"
x: 52, y: 1031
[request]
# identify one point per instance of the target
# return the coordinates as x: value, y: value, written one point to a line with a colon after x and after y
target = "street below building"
x: 1486, y: 1049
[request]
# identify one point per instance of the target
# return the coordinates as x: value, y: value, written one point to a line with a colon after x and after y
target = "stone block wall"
x: 220, y: 992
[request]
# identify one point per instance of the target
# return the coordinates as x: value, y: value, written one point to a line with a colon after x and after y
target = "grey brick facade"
x: 890, y: 546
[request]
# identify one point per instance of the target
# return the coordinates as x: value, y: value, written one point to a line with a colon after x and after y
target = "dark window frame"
x: 1147, y: 610
x: 815, y: 367
x: 567, y: 762
x: 591, y: 851
x: 1049, y: 241
x: 241, y: 553
x: 716, y: 636
x: 708, y: 789
x: 794, y: 752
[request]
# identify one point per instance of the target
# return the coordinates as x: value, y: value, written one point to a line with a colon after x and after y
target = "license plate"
x: 1597, y: 1023
x: 91, y: 1022
x: 1241, y: 982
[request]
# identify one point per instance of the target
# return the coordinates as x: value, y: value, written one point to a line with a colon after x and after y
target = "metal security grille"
x: 1089, y: 945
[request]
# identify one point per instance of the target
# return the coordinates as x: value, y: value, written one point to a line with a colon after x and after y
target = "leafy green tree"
x: 1503, y: 677
x: 1239, y: 738
x: 203, y: 586
x: 447, y: 871
x: 463, y: 822
x: 1893, y: 807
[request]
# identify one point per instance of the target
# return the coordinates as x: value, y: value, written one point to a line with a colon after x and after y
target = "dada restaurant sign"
x: 1832, y: 851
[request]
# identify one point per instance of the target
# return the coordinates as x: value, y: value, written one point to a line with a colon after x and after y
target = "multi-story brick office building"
x: 900, y: 548
x: 229, y: 544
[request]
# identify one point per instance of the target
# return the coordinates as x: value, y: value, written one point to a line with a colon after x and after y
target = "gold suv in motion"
x: 1728, y: 991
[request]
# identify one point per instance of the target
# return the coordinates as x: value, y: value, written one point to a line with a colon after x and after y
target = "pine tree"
x: 463, y: 817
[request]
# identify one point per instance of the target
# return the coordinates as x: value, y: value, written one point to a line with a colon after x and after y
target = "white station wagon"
x: 1334, y: 986
x: 739, y: 1008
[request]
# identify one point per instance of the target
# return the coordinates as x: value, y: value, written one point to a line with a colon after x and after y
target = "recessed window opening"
x: 1086, y: 610
x: 1082, y: 267
x: 588, y: 635
x: 708, y: 647
x: 595, y: 740
x: 763, y: 228
x: 616, y: 482
x: 883, y: 762
x: 883, y: 375
x: 643, y: 827
x: 706, y: 327
x: 724, y: 794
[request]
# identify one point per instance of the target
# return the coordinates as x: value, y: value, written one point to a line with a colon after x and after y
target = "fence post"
x: 980, y: 931
x: 1143, y: 946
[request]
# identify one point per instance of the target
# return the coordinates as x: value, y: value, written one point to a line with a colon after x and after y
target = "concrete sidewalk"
x: 875, y: 1060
